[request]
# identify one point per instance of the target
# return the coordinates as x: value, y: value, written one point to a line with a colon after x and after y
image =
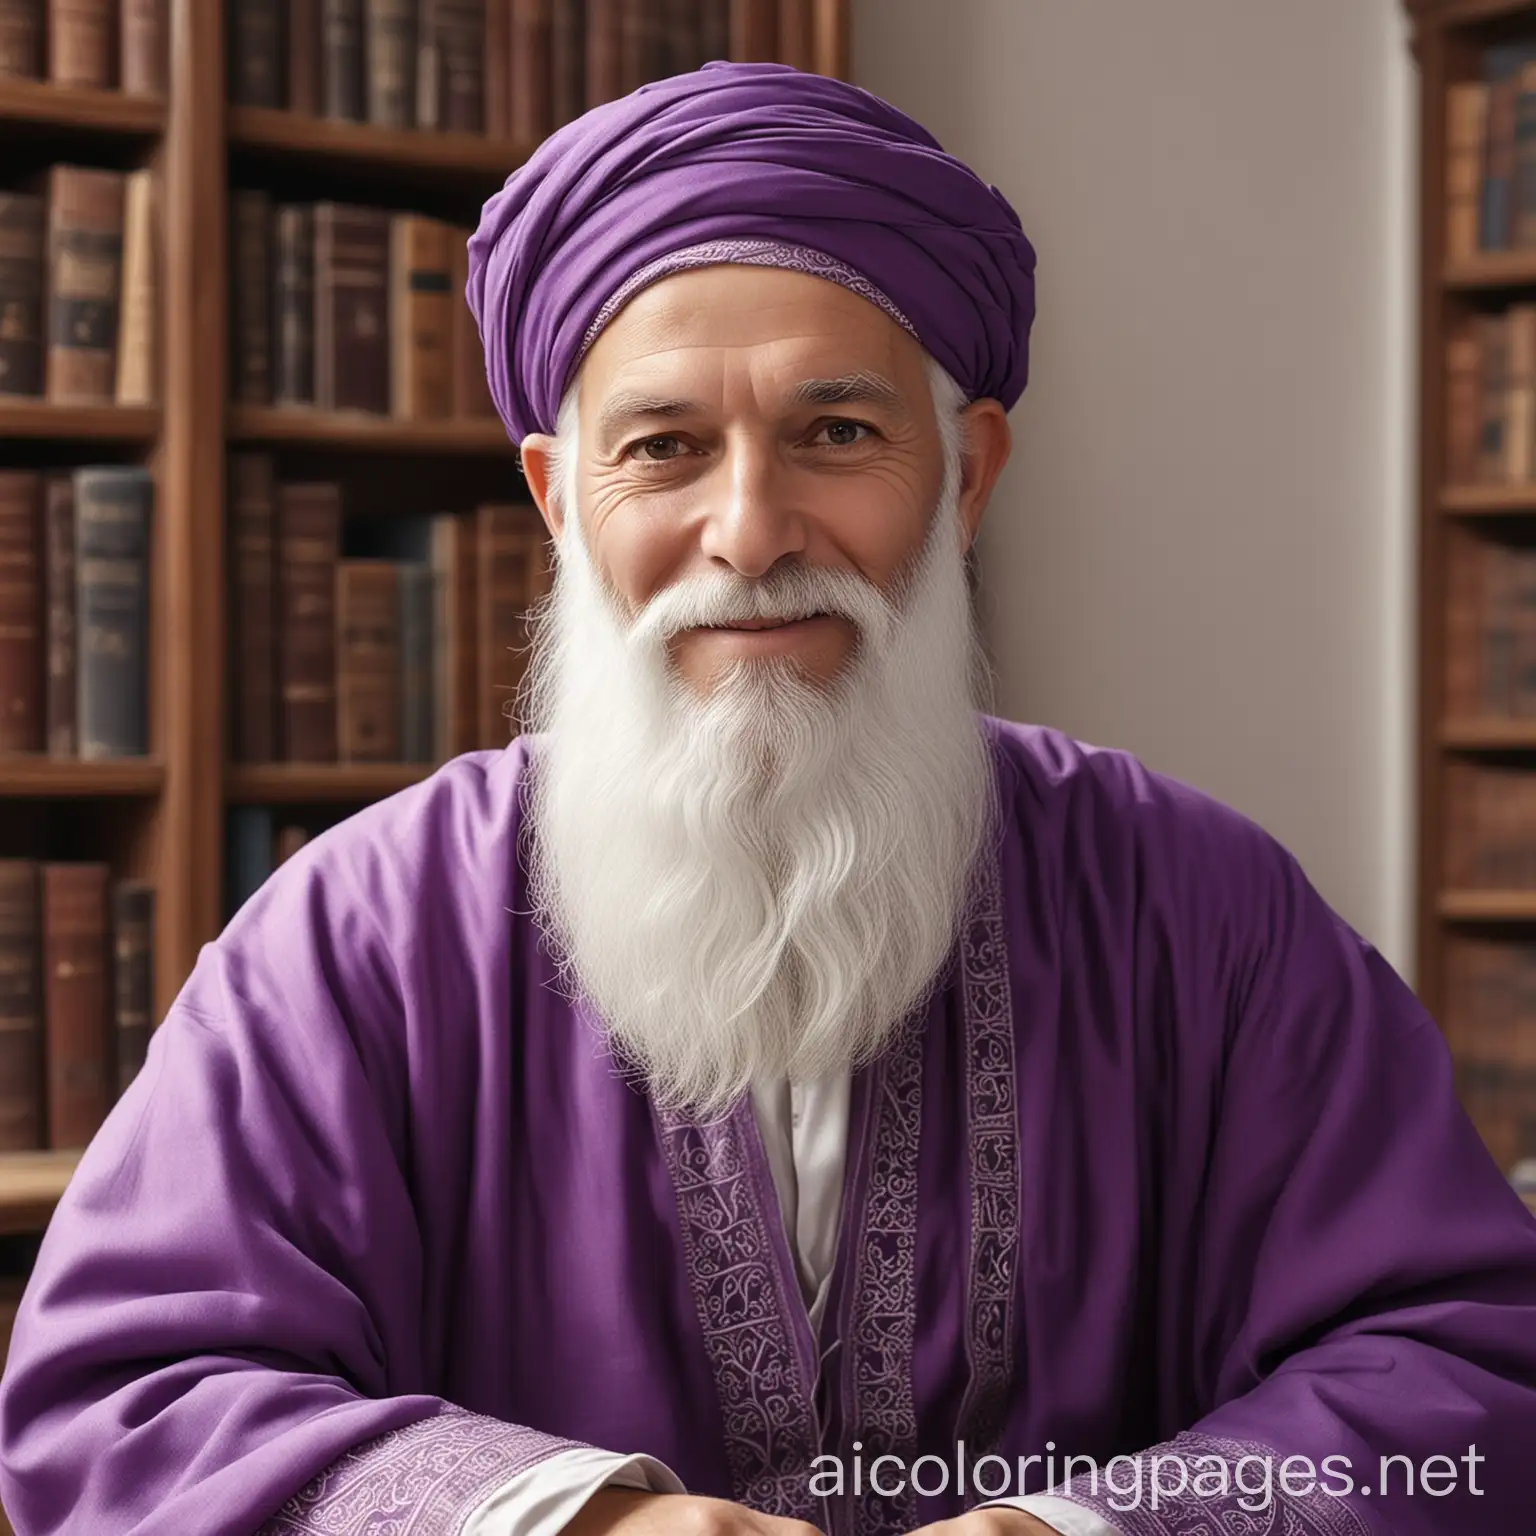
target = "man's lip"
x: 766, y: 623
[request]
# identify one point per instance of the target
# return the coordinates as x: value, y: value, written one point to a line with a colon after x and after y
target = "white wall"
x: 1201, y: 549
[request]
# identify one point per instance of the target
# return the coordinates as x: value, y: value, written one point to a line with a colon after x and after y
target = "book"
x: 1520, y: 393
x: 254, y: 34
x: 75, y: 1001
x: 23, y: 254
x: 302, y: 33
x: 250, y: 853
x: 250, y: 353
x: 368, y: 661
x: 143, y: 31
x: 288, y: 841
x: 80, y: 43
x: 797, y: 34
x: 85, y: 253
x: 456, y: 635
x: 511, y: 575
x: 1463, y: 362
x: 137, y: 350
x: 293, y: 318
x: 605, y: 54
x: 113, y: 511
x: 21, y: 39
x: 21, y: 611
x: 497, y: 73
x: 60, y: 702
x: 21, y: 1007
x: 253, y: 639
x: 341, y: 60
x: 567, y: 62
x: 714, y: 30
x: 1494, y: 352
x: 429, y: 107
x: 390, y: 54
x: 351, y: 279
x: 133, y: 976
x: 421, y: 324
x: 461, y: 64
x: 754, y: 28
x: 471, y: 387
x: 308, y: 549
x: 417, y: 633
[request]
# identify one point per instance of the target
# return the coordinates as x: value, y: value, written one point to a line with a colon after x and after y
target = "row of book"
x: 1491, y: 154
x: 1490, y: 826
x: 100, y: 44
x: 389, y: 639
x: 352, y: 309
x: 78, y: 286
x: 1490, y: 1022
x: 77, y: 998
x: 258, y: 842
x: 74, y: 610
x: 510, y: 69
x: 1490, y: 651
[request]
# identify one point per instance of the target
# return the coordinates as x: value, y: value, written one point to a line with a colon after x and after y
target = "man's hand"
x: 631, y: 1512
x: 989, y: 1522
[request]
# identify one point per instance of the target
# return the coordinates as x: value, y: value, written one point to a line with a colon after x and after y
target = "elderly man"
x: 776, y: 1095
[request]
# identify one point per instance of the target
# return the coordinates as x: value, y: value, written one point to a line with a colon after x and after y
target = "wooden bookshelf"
x: 42, y: 420
x: 30, y: 1186
x: 69, y: 778
x: 356, y: 432
x: 318, y: 783
x: 38, y: 103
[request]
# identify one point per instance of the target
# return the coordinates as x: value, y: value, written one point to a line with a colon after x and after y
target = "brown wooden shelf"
x: 1488, y: 906
x: 1492, y: 269
x: 318, y: 783
x: 337, y: 141
x: 67, y: 106
x: 21, y: 416
x: 359, y: 433
x: 30, y: 1186
x: 42, y: 777
x: 1490, y: 733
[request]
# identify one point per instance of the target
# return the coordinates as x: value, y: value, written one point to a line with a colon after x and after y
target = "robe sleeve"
x: 1361, y: 1306
x: 224, y: 1323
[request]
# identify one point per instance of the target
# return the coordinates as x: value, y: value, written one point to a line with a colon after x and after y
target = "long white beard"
x: 768, y: 879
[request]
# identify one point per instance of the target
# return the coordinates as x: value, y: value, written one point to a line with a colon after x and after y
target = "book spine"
x: 471, y: 388
x: 417, y: 734
x: 567, y: 62
x: 136, y: 351
x: 461, y: 64
x: 21, y: 1008
x: 1499, y: 172
x: 352, y: 353
x: 133, y: 976
x: 21, y: 39
x: 1463, y: 622
x: 288, y: 841
x: 421, y: 319
x: 145, y: 57
x: 253, y: 652
x: 23, y: 248
x: 61, y: 706
x: 255, y: 33
x: 1498, y: 623
x: 250, y: 282
x: 75, y: 1001
x: 605, y: 51
x: 680, y: 36
x: 390, y: 52
x: 455, y: 635
x: 497, y: 53
x: 302, y: 19
x: 250, y: 852
x: 797, y: 33
x: 754, y: 30
x: 85, y: 255
x: 429, y: 67
x: 341, y: 59
x: 80, y: 43
x: 714, y: 30
x: 1520, y: 394
x: 1523, y: 198
x: 1525, y: 633
x: 367, y: 662
x: 21, y: 611
x: 308, y: 547
x: 1464, y: 367
x: 294, y: 306
x: 1495, y: 355
x: 112, y: 534
x: 634, y: 40
x: 509, y: 555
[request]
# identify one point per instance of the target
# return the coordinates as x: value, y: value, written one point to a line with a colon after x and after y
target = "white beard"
x: 767, y: 880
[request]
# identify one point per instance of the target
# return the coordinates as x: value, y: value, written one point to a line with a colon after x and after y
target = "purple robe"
x: 1172, y: 1152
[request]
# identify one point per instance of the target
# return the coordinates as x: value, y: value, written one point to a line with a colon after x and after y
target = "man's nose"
x: 754, y: 516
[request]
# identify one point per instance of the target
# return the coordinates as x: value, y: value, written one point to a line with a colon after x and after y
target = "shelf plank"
x: 356, y: 432
x: 1490, y: 733
x: 1488, y: 500
x: 318, y: 783
x: 67, y: 106
x: 1492, y: 269
x: 41, y: 777
x: 1488, y: 906
x: 22, y: 416
x: 322, y: 138
x: 30, y: 1186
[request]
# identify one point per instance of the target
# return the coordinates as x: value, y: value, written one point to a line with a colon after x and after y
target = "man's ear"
x: 988, y: 445
x: 536, y: 452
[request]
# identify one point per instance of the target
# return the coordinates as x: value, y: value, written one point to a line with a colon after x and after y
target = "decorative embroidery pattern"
x: 1231, y: 1514
x: 993, y: 1144
x: 752, y: 253
x: 769, y: 1417
x: 422, y: 1479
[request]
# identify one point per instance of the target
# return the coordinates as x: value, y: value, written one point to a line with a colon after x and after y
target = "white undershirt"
x: 804, y: 1132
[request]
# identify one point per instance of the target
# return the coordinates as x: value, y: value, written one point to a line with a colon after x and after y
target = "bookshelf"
x: 162, y: 817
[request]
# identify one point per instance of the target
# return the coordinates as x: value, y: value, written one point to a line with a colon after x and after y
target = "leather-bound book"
x: 390, y: 54
x: 76, y: 1001
x: 351, y: 308
x: 253, y: 647
x: 567, y: 62
x: 462, y: 64
x: 421, y: 321
x: 471, y: 388
x: 605, y: 51
x: 250, y: 240
x: 417, y: 737
x: 21, y: 39
x: 21, y: 611
x: 144, y: 47
x: 254, y: 33
x: 293, y: 299
x: 302, y: 36
x: 634, y: 44
x: 367, y: 662
x: 308, y: 547
x: 133, y: 975
x: 288, y: 841
x: 429, y: 67
x: 341, y: 60
x: 21, y: 1007
x: 797, y: 33
x: 680, y: 36
x: 61, y: 690
x: 456, y: 636
x: 80, y: 43
x: 1464, y: 367
x: 754, y: 30
x: 113, y: 512
x: 498, y: 69
x: 85, y: 259
x: 23, y: 247
x: 138, y: 329
x: 714, y: 30
x: 511, y: 575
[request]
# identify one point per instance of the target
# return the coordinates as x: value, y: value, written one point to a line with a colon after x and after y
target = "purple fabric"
x: 1170, y: 1152
x: 756, y: 151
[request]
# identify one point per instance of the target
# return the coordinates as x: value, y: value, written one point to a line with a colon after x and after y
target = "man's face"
x: 735, y: 417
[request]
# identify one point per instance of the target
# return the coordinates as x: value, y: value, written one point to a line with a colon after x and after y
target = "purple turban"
x: 745, y: 162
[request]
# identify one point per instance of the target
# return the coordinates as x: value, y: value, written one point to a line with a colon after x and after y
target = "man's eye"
x: 643, y: 447
x: 840, y: 431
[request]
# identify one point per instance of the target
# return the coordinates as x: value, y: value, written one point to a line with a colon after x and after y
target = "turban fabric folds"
x: 745, y: 162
